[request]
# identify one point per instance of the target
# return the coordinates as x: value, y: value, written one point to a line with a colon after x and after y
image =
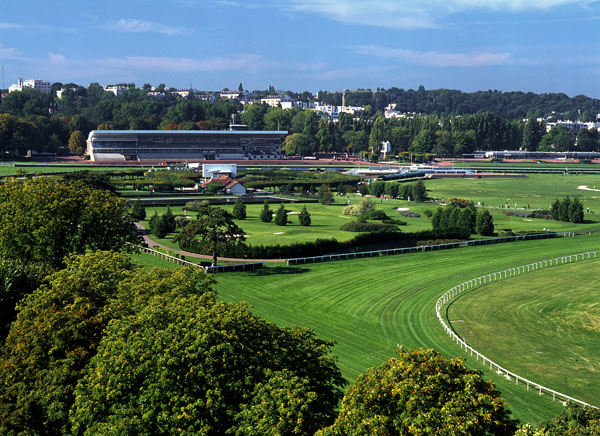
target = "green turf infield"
x: 368, y: 306
x: 544, y: 326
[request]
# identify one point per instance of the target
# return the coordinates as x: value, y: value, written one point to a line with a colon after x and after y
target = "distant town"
x: 115, y: 122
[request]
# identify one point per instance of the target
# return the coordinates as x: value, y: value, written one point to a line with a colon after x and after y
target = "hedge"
x: 320, y: 247
x: 357, y: 226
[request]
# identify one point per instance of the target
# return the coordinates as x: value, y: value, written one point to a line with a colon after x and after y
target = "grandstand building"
x: 127, y: 145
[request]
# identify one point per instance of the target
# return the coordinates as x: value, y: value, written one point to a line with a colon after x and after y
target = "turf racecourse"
x: 368, y: 306
x: 554, y: 312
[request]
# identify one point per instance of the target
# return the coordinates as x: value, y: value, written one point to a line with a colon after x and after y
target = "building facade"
x: 190, y: 145
x: 38, y: 85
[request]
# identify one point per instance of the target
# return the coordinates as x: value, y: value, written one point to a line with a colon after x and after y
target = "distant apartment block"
x: 117, y: 89
x: 38, y: 85
x: 573, y: 125
x: 276, y: 100
x: 334, y: 111
x: 191, y: 145
x: 234, y: 95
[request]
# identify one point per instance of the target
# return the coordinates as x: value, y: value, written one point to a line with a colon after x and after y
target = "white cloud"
x: 436, y: 58
x: 10, y: 53
x: 419, y: 14
x: 247, y: 62
x: 10, y: 26
x: 132, y: 25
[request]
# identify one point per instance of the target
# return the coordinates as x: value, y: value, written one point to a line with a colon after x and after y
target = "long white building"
x: 123, y: 145
x: 38, y: 85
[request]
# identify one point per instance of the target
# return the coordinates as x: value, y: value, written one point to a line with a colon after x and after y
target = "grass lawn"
x: 368, y: 306
x: 543, y: 325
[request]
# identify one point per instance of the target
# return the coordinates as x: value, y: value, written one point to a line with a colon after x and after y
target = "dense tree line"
x: 444, y: 122
x: 509, y: 105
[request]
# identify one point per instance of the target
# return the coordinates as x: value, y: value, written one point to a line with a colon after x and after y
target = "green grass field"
x: 368, y: 306
x: 544, y: 326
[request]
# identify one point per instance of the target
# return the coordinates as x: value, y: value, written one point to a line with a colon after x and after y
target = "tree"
x: 138, y: 211
x: 281, y: 216
x: 59, y: 329
x: 304, y: 217
x: 188, y: 363
x: 77, y: 142
x: 555, y: 210
x: 51, y: 342
x: 485, y: 223
x: 419, y: 191
x: 532, y: 135
x: 421, y: 392
x: 563, y: 209
x: 325, y: 195
x: 266, y: 215
x: 298, y: 144
x: 573, y: 420
x: 377, y: 188
x: 576, y: 211
x: 43, y: 220
x: 239, y: 209
x: 213, y: 229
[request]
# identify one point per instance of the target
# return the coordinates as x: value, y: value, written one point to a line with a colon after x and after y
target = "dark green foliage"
x: 419, y: 192
x: 377, y: 188
x: 574, y: 420
x: 239, y: 209
x: 567, y: 210
x: 138, y: 211
x: 357, y: 226
x: 281, y: 216
x: 454, y: 216
x: 325, y: 195
x: 42, y: 220
x: 212, y: 231
x: 266, y: 215
x: 375, y: 214
x: 181, y: 221
x: 188, y: 362
x: 420, y: 392
x: 169, y: 220
x: 576, y: 211
x: 485, y: 223
x: 16, y: 281
x: 391, y: 189
x: 94, y: 179
x: 428, y: 213
x: 49, y: 346
x: 304, y: 217
x: 563, y: 209
x: 213, y: 188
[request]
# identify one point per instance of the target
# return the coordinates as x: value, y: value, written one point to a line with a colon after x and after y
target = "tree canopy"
x: 42, y: 220
x: 420, y: 392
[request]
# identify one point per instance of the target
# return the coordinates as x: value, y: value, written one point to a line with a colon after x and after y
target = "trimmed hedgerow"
x: 357, y: 226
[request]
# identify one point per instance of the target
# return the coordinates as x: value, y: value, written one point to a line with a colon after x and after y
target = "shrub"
x: 374, y: 214
x: 485, y: 223
x: 325, y: 195
x: 366, y: 205
x: 281, y: 216
x: 239, y: 209
x: 356, y: 226
x: 266, y: 216
x: 409, y: 214
x: 181, y: 221
x: 196, y: 205
x: 138, y: 211
x: 304, y: 217
x: 428, y: 213
x: 419, y: 192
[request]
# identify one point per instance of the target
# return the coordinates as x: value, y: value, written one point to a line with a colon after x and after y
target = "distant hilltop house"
x: 235, y: 95
x: 573, y: 125
x: 230, y: 186
x: 334, y: 111
x: 190, y: 145
x: 117, y: 89
x: 38, y: 85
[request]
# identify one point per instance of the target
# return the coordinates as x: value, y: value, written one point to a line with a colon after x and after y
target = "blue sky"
x: 509, y: 45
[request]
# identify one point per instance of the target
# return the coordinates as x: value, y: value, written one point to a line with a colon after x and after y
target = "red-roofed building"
x: 230, y: 186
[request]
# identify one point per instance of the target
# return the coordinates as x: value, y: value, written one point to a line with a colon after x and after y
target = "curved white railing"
x: 460, y: 289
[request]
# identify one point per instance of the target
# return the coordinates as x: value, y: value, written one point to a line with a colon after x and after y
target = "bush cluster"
x: 415, y: 191
x: 567, y: 210
x: 357, y: 226
x: 320, y: 247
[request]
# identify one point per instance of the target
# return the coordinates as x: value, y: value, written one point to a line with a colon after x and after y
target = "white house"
x: 38, y: 85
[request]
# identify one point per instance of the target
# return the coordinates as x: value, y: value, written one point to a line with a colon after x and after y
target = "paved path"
x: 151, y: 243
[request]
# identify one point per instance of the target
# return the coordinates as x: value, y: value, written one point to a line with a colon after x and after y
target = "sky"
x: 307, y: 45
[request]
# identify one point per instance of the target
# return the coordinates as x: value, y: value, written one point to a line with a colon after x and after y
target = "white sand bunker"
x: 278, y: 233
x: 585, y: 188
x: 400, y: 209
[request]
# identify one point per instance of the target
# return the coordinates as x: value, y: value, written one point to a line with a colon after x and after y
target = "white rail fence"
x: 469, y: 285
x: 209, y: 269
